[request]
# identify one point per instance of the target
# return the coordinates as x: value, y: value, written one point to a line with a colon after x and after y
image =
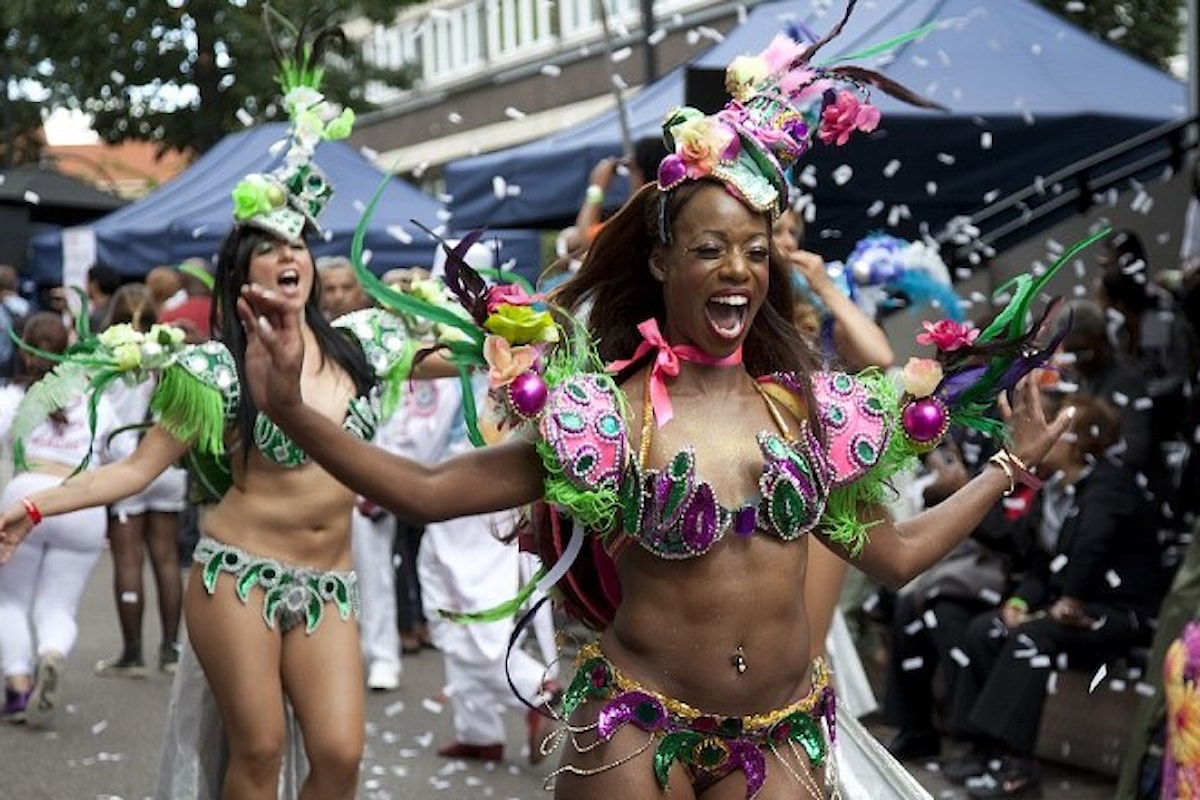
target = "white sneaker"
x: 42, y: 702
x: 383, y: 677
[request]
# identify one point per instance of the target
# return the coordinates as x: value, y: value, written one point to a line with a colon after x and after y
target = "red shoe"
x: 475, y: 752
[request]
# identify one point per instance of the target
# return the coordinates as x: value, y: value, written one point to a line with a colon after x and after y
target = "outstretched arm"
x: 896, y: 552
x: 487, y: 479
x: 99, y: 487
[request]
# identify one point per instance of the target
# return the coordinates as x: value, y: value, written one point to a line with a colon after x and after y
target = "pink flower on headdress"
x: 507, y: 294
x: 783, y: 52
x: 506, y: 362
x: 845, y: 115
x: 702, y: 142
x: 948, y: 335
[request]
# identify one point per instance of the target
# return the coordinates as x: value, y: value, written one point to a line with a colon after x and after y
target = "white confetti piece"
x: 551, y: 70
x: 32, y: 197
x: 656, y: 36
x: 843, y: 174
x: 1052, y: 683
x: 1040, y: 661
x: 499, y: 187
x: 875, y: 209
x: 914, y: 627
x: 512, y: 112
x: 911, y: 664
x: 959, y: 657
x: 891, y: 168
x: 1098, y: 678
x: 1145, y: 689
x: 946, y: 158
x: 622, y: 55
x: 990, y: 596
x: 244, y: 117
x: 100, y: 727
x: 931, y: 188
x: 199, y: 231
x: 454, y: 118
x: 432, y: 706
x: 392, y: 709
x: 398, y: 233
x: 930, y: 619
x: 1059, y: 561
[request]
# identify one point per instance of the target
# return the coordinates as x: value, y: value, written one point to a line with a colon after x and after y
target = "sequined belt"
x: 710, y: 745
x: 291, y: 594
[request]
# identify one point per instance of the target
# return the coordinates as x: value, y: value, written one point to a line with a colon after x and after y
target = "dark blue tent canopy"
x: 1027, y: 94
x: 190, y: 215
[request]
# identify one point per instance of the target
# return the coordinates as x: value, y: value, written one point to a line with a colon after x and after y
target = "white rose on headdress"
x: 743, y: 75
x: 701, y: 142
x: 302, y: 98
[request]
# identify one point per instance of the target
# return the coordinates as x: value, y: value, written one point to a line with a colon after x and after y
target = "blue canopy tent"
x: 190, y: 215
x: 1027, y: 94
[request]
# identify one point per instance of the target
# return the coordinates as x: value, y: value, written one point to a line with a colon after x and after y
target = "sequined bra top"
x: 385, y: 343
x: 671, y: 511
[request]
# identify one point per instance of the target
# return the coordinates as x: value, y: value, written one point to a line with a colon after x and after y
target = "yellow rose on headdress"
x: 743, y: 74
x: 114, y: 336
x: 522, y: 324
x: 700, y: 142
x: 127, y: 356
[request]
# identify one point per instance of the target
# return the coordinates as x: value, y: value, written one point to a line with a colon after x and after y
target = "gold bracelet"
x: 999, y: 460
x: 1020, y: 472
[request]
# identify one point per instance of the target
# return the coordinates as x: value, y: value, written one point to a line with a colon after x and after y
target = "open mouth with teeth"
x: 289, y: 279
x: 727, y: 314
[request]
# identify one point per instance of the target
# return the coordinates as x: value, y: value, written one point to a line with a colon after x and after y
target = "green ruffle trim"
x: 841, y: 521
x: 190, y: 410
x: 506, y: 610
x: 596, y: 509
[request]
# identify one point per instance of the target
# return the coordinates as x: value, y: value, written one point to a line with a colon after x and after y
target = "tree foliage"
x: 1148, y: 29
x: 182, y: 73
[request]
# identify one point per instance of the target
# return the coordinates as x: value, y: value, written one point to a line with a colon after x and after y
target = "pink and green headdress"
x: 781, y: 102
x: 289, y: 200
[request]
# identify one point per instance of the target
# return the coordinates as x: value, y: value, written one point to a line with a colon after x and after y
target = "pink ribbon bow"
x: 666, y: 364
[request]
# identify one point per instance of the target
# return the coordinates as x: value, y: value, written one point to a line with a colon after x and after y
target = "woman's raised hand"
x: 1031, y: 434
x: 274, y: 349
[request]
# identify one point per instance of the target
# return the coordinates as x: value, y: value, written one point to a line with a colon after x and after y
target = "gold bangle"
x: 1018, y: 470
x: 998, y: 459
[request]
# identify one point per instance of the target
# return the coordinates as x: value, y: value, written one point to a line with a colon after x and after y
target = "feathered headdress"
x: 289, y: 200
x: 782, y: 101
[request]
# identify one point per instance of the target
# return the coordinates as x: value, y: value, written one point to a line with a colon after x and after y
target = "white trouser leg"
x: 372, y: 546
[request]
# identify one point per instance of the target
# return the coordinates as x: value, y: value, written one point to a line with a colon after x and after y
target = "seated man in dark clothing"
x: 1092, y: 588
x: 932, y: 613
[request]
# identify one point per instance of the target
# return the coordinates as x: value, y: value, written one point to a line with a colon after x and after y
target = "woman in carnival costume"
x: 681, y: 480
x: 271, y: 605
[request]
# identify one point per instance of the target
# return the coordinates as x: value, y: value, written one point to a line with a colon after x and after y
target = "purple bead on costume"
x: 671, y: 170
x: 744, y: 521
x: 527, y: 393
x: 924, y: 420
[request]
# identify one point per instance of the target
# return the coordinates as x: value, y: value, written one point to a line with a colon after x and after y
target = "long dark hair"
x: 233, y: 267
x: 615, y: 278
x: 46, y: 331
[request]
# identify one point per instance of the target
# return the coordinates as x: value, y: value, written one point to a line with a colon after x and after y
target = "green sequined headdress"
x: 288, y: 201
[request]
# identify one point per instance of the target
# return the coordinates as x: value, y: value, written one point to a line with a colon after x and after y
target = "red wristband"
x: 35, y: 514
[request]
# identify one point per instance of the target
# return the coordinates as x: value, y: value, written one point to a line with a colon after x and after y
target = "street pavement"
x: 104, y: 743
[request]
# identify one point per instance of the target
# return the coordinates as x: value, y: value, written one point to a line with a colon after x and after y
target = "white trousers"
x: 479, y: 693
x: 41, y: 585
x: 371, y: 542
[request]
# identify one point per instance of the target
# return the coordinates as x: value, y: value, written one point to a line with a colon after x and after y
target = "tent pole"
x: 1193, y: 51
x: 622, y: 112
